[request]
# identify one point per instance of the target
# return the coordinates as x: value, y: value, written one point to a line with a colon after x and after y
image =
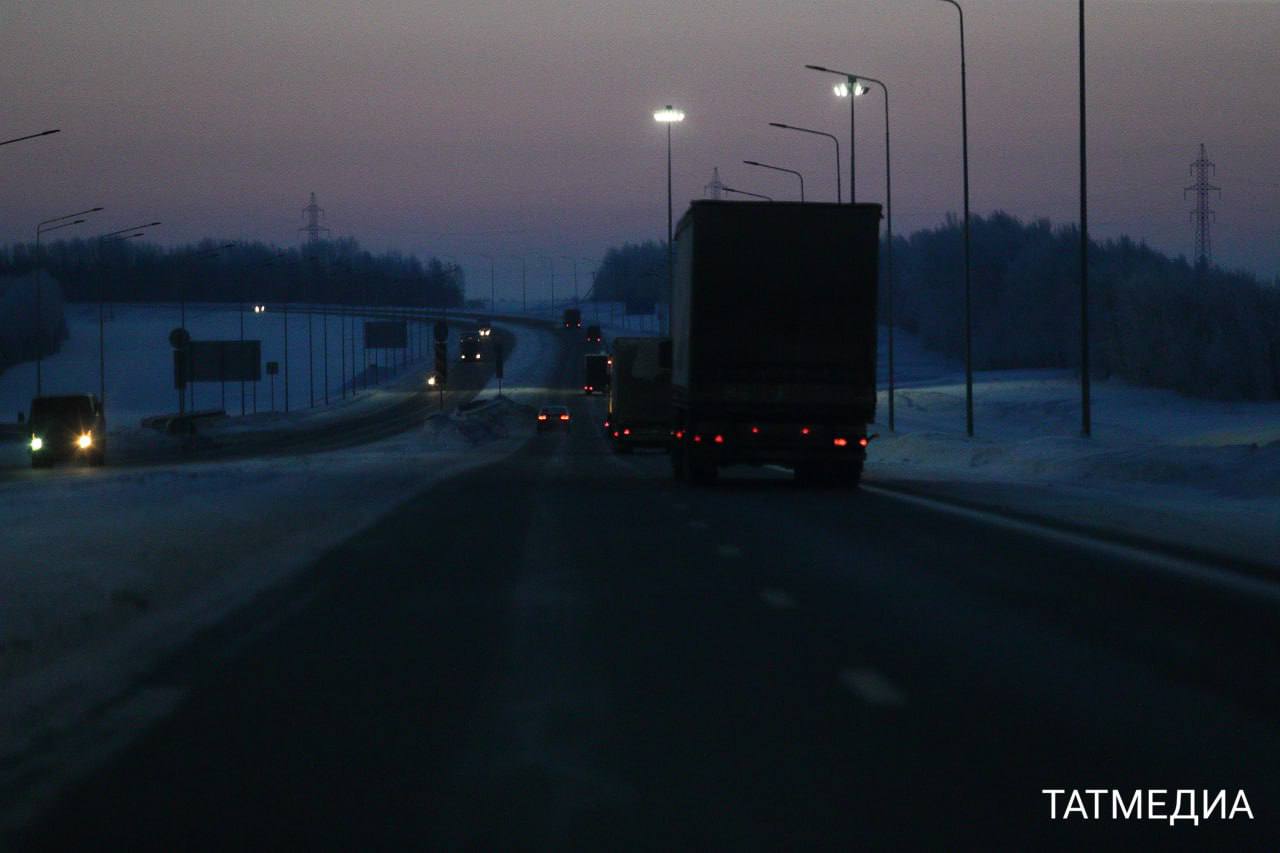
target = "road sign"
x: 442, y: 330
x: 217, y: 361
x: 273, y: 367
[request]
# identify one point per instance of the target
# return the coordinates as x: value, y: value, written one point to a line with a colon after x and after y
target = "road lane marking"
x: 1188, y: 568
x: 872, y: 687
x: 778, y: 599
x: 729, y: 551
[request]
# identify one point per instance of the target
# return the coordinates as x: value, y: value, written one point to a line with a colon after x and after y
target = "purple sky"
x: 476, y: 126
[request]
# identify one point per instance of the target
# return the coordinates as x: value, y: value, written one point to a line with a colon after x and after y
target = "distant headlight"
x: 85, y: 441
x: 37, y: 442
x: 431, y: 380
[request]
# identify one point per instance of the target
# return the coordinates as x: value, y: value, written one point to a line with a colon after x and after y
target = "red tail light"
x: 719, y: 439
x: 864, y: 441
x: 840, y: 442
x: 755, y: 430
x: 542, y: 417
x: 615, y: 433
x: 697, y: 439
x: 680, y: 434
x: 626, y: 431
x: 564, y: 417
x: 804, y: 430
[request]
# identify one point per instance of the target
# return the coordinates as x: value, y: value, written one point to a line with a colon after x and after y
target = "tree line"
x: 326, y: 271
x: 1155, y: 320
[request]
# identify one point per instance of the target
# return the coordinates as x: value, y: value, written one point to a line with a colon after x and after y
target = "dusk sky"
x: 526, y: 127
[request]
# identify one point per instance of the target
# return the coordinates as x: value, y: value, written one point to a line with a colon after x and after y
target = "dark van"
x: 68, y: 426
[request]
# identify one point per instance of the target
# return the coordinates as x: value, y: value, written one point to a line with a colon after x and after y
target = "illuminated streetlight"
x: 669, y: 116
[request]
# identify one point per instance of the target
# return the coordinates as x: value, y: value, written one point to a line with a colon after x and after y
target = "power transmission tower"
x: 313, y: 228
x: 714, y: 188
x: 1203, y: 216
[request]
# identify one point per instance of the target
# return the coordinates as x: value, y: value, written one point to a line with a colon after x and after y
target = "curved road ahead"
x: 566, y: 650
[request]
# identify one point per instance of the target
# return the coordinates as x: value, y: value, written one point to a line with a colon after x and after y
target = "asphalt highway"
x: 567, y: 650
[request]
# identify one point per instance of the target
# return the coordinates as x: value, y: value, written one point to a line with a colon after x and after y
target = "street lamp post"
x: 102, y: 331
x: 968, y: 300
x: 830, y: 136
x: 524, y: 291
x: 575, y: 275
x: 779, y: 169
x: 42, y: 227
x: 744, y: 192
x: 847, y: 89
x: 1086, y: 418
x: 669, y: 116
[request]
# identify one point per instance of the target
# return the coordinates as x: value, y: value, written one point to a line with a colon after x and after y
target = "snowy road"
x: 562, y: 648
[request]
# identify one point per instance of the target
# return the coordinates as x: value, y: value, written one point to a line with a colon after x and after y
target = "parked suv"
x: 70, y: 426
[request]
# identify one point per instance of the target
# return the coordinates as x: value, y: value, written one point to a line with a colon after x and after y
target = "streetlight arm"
x: 31, y: 136
x: 744, y: 192
x: 779, y: 169
x: 40, y: 225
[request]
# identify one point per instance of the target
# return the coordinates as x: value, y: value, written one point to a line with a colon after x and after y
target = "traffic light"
x: 442, y: 363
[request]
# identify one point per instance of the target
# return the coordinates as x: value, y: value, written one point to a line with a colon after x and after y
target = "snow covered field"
x: 1200, y: 473
x: 105, y: 569
x: 139, y: 360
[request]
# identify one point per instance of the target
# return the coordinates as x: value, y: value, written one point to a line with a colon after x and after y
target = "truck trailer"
x: 640, y: 393
x: 773, y: 333
x: 595, y: 369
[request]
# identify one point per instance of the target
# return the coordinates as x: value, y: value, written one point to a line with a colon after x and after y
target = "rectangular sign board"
x: 385, y: 334
x: 217, y: 361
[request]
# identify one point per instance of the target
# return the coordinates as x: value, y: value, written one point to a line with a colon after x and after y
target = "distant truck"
x: 596, y: 373
x: 572, y: 318
x: 469, y: 348
x: 640, y: 393
x: 774, y: 338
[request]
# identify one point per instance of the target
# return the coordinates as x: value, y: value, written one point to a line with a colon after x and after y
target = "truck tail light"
x: 542, y: 417
x: 864, y: 441
x: 564, y: 417
x: 840, y: 442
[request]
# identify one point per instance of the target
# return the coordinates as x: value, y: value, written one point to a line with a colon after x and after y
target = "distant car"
x: 71, y: 426
x: 469, y: 348
x: 553, y: 417
x: 594, y: 336
x: 484, y: 328
x: 572, y: 318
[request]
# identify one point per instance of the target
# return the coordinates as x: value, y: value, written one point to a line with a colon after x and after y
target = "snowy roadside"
x: 106, y: 569
x: 1199, y: 474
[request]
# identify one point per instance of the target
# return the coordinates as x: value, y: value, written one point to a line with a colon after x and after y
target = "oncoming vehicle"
x: 469, y: 348
x: 553, y: 417
x: 70, y: 426
x: 484, y: 328
x: 572, y: 318
x: 594, y: 335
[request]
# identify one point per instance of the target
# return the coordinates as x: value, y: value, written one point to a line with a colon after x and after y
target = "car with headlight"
x: 484, y: 328
x: 469, y: 348
x: 67, y: 426
x: 553, y: 417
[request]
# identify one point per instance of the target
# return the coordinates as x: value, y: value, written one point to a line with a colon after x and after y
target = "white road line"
x: 778, y: 599
x: 729, y: 551
x: 1187, y: 568
x: 872, y: 687
x: 699, y: 525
